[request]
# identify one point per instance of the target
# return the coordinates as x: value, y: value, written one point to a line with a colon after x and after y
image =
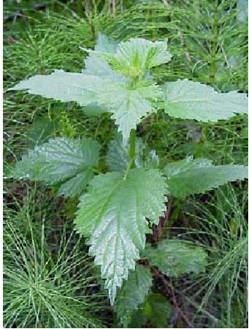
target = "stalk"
x: 132, y: 152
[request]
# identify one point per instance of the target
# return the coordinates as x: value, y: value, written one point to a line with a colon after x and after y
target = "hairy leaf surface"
x: 113, y: 213
x: 117, y: 157
x: 58, y: 160
x: 66, y: 86
x: 128, y: 106
x: 137, y: 56
x: 132, y: 293
x: 176, y: 257
x: 193, y: 100
x: 95, y: 65
x: 188, y: 176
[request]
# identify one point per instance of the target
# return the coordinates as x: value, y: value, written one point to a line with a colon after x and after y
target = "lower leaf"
x: 114, y: 214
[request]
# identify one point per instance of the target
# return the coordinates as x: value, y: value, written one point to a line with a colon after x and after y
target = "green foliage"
x: 193, y: 100
x: 117, y: 157
x: 132, y: 294
x: 129, y: 96
x: 155, y: 313
x: 135, y: 57
x: 60, y: 160
x: 208, y: 42
x: 175, y: 257
x: 114, y: 213
x: 220, y: 226
x: 157, y: 310
x: 189, y: 176
x: 41, y: 279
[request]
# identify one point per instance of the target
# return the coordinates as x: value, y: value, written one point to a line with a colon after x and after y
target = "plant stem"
x: 132, y: 150
x: 168, y: 285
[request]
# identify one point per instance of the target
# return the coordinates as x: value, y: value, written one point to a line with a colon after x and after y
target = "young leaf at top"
x: 64, y: 160
x: 193, y: 100
x: 106, y: 43
x: 135, y: 57
x: 127, y: 104
x: 132, y: 293
x: 176, y: 257
x: 95, y: 65
x: 114, y: 214
x: 189, y: 176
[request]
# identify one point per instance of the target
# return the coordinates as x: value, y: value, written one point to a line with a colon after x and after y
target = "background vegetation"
x: 49, y: 281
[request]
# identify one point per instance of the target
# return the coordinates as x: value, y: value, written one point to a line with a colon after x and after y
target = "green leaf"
x: 66, y: 86
x: 132, y: 293
x: 192, y: 100
x: 189, y: 176
x: 177, y: 167
x: 128, y: 106
x: 154, y: 313
x: 114, y: 214
x: 75, y: 185
x: 176, y: 257
x: 137, y: 56
x: 41, y: 130
x: 157, y: 310
x: 106, y: 43
x: 58, y: 160
x: 95, y: 65
x: 117, y: 157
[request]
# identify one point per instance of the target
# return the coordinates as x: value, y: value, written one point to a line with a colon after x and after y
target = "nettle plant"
x: 118, y: 208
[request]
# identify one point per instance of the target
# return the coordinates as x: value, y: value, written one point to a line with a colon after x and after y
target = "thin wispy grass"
x: 49, y: 280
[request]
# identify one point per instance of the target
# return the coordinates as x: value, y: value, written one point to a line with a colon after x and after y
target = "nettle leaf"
x: 177, y: 257
x: 114, y: 214
x: 193, y: 100
x: 135, y: 57
x: 106, y: 43
x: 132, y: 293
x: 157, y: 310
x: 154, y: 313
x: 177, y: 167
x: 128, y: 106
x: 95, y: 65
x: 117, y: 157
x: 66, y: 86
x: 65, y: 160
x: 186, y: 177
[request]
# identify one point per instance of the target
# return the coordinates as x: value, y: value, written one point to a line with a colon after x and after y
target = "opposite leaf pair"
x: 118, y: 210
x: 117, y: 78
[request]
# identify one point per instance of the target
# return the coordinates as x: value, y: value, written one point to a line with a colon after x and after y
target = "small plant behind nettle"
x: 118, y: 208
